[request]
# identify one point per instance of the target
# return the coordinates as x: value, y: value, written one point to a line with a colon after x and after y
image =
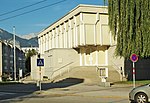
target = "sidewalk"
x: 117, y: 91
x: 68, y: 93
x: 59, y: 88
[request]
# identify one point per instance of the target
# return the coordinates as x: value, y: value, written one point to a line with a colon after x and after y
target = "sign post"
x: 133, y: 58
x: 40, y: 62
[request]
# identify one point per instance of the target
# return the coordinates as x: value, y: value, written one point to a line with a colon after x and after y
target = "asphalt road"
x: 8, y: 97
x: 64, y: 93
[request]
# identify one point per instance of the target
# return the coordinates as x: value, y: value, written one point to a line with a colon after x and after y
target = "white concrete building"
x: 26, y: 49
x: 80, y: 38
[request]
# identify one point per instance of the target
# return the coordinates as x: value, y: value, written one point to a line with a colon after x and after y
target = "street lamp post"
x: 20, y: 69
x: 14, y: 33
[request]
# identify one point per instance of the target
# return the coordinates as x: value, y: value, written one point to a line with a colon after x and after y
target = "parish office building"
x: 81, y: 38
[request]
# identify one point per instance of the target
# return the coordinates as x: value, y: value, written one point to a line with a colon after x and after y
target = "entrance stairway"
x: 89, y: 74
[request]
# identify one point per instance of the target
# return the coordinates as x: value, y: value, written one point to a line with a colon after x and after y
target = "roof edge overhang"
x: 80, y: 8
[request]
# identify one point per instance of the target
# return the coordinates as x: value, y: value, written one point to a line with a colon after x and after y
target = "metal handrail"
x: 61, y: 68
x: 25, y: 76
x: 64, y: 66
x: 118, y: 69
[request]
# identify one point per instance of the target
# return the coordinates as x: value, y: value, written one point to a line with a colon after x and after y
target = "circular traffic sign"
x: 134, y: 58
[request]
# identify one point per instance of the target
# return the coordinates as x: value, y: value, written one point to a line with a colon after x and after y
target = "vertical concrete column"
x: 57, y: 38
x: 47, y: 41
x: 61, y: 37
x: 106, y: 57
x: 106, y: 62
x: 75, y: 33
x: 65, y: 36
x: 81, y: 57
x: 82, y: 31
x: 53, y: 39
x: 44, y: 43
x: 69, y: 35
x: 97, y: 55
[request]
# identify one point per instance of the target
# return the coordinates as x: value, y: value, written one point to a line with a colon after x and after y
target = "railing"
x: 60, y: 69
x: 25, y: 76
x: 116, y: 67
x: 119, y: 70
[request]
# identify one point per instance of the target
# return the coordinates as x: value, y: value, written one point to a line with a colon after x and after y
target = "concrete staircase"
x: 88, y: 74
x: 113, y: 76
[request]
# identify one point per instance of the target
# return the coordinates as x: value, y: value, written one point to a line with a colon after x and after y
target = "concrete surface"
x: 66, y: 92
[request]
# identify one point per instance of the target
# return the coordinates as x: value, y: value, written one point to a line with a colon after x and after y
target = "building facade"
x: 26, y: 49
x: 7, y: 61
x: 84, y: 30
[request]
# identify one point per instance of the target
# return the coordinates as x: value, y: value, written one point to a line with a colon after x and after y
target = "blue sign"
x: 40, y: 62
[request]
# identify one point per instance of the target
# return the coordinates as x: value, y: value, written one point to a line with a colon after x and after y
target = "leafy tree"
x: 129, y: 22
x: 29, y: 54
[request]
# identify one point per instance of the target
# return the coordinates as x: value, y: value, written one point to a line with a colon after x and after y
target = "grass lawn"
x: 139, y: 82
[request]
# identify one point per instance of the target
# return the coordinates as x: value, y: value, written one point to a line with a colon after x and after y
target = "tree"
x: 129, y: 22
x: 29, y: 54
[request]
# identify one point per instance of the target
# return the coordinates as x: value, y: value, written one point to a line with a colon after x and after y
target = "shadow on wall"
x: 142, y: 69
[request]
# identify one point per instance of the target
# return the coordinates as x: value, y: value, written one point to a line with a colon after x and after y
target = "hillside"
x: 4, y: 35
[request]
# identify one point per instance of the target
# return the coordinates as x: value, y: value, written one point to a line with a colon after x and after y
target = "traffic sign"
x: 40, y: 62
x: 134, y: 58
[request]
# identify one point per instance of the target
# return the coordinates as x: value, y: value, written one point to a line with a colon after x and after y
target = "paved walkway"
x: 61, y: 91
x: 61, y: 86
x: 90, y: 90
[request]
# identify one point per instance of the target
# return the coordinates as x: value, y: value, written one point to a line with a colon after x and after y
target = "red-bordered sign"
x: 134, y: 58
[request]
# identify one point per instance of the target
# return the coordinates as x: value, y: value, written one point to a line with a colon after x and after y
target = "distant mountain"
x: 4, y: 35
x: 29, y: 36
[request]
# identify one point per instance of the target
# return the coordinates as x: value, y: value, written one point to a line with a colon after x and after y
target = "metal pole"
x: 133, y: 74
x: 40, y: 78
x: 39, y: 56
x: 14, y: 33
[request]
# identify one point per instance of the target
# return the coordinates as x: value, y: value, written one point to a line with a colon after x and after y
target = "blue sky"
x: 36, y: 21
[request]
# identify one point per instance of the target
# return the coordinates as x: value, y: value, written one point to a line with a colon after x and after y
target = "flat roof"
x: 80, y: 8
